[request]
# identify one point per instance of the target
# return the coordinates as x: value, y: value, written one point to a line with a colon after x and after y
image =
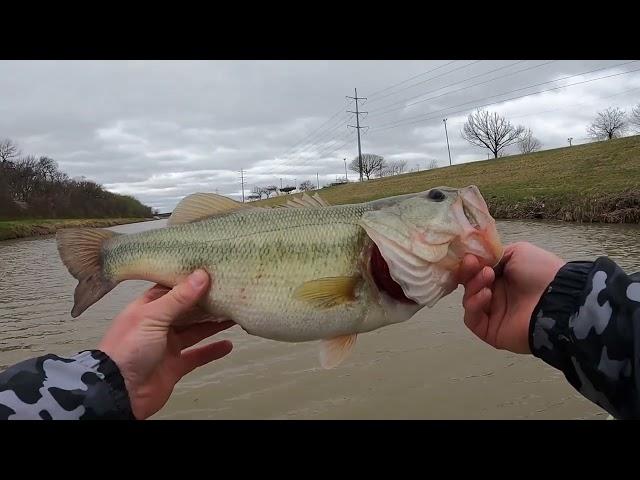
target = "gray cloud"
x: 160, y: 130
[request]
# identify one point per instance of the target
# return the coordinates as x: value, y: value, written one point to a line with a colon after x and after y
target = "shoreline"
x: 15, y: 229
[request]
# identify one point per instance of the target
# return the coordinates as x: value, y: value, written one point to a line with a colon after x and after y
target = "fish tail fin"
x: 81, y: 252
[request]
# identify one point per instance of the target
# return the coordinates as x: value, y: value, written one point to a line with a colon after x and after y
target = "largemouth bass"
x: 309, y: 271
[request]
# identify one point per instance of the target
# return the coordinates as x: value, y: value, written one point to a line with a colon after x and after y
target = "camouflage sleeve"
x: 587, y: 324
x: 86, y: 386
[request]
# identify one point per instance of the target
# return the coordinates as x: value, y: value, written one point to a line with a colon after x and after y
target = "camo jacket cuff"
x: 82, y: 387
x: 587, y: 324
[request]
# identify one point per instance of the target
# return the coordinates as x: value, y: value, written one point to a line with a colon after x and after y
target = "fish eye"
x: 435, y: 195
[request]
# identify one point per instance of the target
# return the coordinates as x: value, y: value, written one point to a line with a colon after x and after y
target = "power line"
x: 459, y: 89
x: 574, y: 105
x: 425, y: 116
x: 409, y: 79
x: 425, y: 81
x: 314, y: 131
x: 322, y: 139
x: 315, y: 138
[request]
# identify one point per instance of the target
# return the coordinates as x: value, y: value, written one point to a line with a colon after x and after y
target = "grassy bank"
x: 28, y: 228
x: 596, y: 182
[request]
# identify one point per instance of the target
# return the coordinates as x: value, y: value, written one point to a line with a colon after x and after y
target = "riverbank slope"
x: 594, y: 182
x: 11, y: 229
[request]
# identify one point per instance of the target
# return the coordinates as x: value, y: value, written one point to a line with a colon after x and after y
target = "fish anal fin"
x: 334, y: 351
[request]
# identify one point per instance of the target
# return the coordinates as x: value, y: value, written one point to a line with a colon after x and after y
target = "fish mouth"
x: 480, y: 235
x: 382, y: 277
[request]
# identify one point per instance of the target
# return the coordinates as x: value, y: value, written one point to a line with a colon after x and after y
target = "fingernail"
x: 197, y: 279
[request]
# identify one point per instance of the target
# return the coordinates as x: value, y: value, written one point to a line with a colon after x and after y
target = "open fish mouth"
x: 480, y: 235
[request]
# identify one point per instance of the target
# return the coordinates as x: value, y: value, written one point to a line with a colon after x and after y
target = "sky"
x: 160, y: 130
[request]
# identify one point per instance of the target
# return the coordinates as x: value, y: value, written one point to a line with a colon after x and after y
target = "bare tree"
x: 528, y: 143
x: 371, y: 165
x: 272, y: 189
x: 257, y: 191
x: 395, y: 167
x: 610, y: 123
x: 491, y: 131
x: 634, y: 117
x: 8, y: 150
x: 432, y: 164
x: 306, y: 186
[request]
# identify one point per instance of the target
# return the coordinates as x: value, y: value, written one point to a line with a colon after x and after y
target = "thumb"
x: 181, y: 298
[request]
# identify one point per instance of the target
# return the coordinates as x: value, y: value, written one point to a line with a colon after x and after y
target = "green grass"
x: 592, y: 182
x: 31, y: 227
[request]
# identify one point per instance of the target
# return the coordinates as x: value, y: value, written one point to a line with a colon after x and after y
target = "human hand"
x: 148, y: 345
x: 499, y: 303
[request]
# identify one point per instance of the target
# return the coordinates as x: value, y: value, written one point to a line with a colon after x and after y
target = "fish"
x: 299, y: 272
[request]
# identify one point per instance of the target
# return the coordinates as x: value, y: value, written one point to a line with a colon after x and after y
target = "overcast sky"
x: 160, y: 130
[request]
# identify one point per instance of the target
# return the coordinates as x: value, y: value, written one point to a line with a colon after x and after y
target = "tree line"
x: 34, y: 187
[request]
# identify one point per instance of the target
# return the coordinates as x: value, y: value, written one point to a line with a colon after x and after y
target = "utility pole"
x: 318, y: 180
x: 358, y: 127
x: 447, y: 135
x: 242, y: 182
x: 280, y: 182
x: 570, y: 138
x: 346, y: 177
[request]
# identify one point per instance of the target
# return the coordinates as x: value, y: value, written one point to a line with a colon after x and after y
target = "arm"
x: 145, y: 352
x: 587, y: 324
x: 579, y: 317
x: 85, y: 386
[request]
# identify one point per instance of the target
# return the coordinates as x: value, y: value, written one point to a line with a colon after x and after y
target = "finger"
x: 181, y: 298
x: 477, y: 322
x: 484, y: 279
x: 469, y: 267
x: 199, y: 332
x: 154, y: 293
x: 196, y: 315
x: 479, y: 302
x: 197, y: 357
x: 508, y: 253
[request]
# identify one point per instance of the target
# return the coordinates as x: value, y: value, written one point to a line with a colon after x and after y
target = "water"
x: 430, y: 367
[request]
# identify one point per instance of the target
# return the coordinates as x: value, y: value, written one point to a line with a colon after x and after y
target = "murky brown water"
x: 430, y: 367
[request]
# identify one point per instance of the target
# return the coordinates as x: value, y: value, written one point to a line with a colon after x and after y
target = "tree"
x: 634, y: 118
x: 528, y: 143
x: 272, y: 189
x: 257, y: 192
x: 432, y: 164
x: 610, y: 123
x: 394, y: 167
x: 8, y: 150
x: 371, y: 164
x: 306, y: 186
x: 490, y: 130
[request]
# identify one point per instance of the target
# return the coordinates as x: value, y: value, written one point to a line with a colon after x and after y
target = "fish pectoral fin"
x: 328, y: 292
x: 335, y: 350
x: 199, y: 206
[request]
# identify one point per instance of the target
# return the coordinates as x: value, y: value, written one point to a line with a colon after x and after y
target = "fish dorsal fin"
x: 306, y: 201
x: 328, y: 292
x: 335, y: 350
x: 199, y: 206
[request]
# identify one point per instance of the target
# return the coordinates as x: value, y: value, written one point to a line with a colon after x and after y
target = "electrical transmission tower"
x: 358, y: 127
